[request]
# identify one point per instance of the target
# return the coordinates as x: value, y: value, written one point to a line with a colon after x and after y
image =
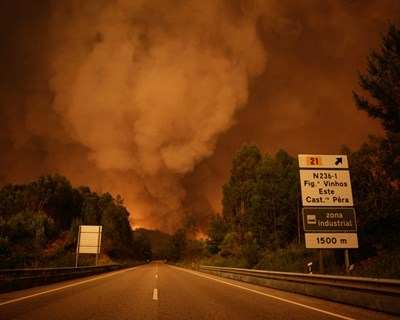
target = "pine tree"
x: 382, y: 81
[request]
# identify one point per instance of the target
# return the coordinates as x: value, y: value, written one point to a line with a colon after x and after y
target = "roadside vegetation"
x: 39, y: 225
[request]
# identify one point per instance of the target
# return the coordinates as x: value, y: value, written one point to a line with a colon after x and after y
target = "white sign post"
x: 89, y: 241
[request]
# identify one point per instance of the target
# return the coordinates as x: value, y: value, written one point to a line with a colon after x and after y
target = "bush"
x: 5, y: 247
x: 230, y: 246
x: 37, y: 227
x: 291, y: 259
x: 385, y: 265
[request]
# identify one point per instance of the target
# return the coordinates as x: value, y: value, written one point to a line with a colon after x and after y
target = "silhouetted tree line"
x: 261, y: 199
x: 34, y: 215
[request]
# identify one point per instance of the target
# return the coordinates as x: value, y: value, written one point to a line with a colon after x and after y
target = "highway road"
x: 160, y: 291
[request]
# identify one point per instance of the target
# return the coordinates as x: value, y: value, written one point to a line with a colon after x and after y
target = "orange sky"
x: 151, y: 99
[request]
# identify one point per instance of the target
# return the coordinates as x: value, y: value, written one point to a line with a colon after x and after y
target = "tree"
x: 55, y: 197
x: 216, y: 233
x: 382, y: 84
x: 231, y: 246
x: 376, y: 200
x: 191, y: 225
x: 376, y: 166
x: 51, y: 194
x: 141, y: 246
x: 90, y: 211
x: 117, y: 232
x: 10, y: 200
x: 238, y: 191
x: 177, y: 245
x: 274, y: 202
x: 194, y: 250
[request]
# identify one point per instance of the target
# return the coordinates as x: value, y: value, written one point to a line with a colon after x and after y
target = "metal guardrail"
x: 15, y: 279
x: 378, y: 294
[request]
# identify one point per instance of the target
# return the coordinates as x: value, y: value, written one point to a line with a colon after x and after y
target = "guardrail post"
x: 309, y: 267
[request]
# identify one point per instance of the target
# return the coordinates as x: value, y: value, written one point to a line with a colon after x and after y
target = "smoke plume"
x: 150, y: 99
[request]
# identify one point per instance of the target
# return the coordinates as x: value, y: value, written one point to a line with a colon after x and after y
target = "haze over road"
x: 160, y: 291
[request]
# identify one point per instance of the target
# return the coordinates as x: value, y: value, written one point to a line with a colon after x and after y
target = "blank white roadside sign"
x: 89, y: 239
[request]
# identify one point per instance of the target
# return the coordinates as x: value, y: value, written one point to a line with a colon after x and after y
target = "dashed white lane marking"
x: 271, y: 296
x: 155, y: 291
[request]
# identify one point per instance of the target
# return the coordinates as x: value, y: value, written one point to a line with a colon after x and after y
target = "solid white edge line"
x: 65, y: 287
x: 270, y: 296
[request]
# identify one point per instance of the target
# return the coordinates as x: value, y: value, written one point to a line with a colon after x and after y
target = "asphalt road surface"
x: 160, y: 291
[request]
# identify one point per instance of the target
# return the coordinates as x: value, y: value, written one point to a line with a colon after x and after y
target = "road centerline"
x: 155, y: 294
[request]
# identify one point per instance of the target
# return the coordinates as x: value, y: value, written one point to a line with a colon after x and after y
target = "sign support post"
x: 321, y: 261
x: 77, y: 247
x: 347, y: 261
